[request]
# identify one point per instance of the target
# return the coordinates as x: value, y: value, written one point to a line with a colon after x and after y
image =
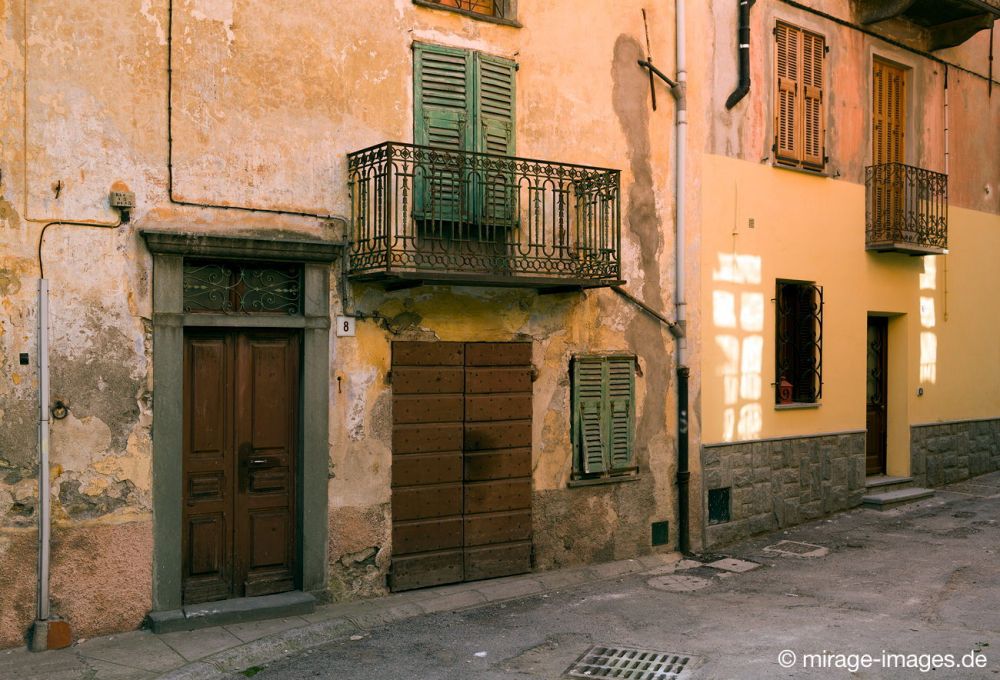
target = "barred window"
x: 799, y: 343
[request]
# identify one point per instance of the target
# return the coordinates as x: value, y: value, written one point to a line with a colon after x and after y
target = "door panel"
x: 267, y: 427
x: 207, y: 530
x: 498, y: 459
x: 876, y: 403
x: 428, y: 382
x: 240, y: 437
x: 461, y: 477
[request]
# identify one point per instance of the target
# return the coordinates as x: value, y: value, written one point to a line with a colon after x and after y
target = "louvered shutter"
x: 878, y: 114
x: 443, y: 80
x: 895, y: 114
x: 813, y: 54
x: 620, y: 393
x: 588, y: 395
x: 787, y: 126
x: 495, y: 99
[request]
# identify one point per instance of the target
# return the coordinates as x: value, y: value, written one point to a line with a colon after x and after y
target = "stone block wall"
x: 950, y: 452
x: 777, y: 483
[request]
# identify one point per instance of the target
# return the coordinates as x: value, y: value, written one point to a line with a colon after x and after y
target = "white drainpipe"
x: 44, y: 499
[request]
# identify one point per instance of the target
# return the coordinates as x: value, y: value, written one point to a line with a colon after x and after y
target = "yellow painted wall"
x: 943, y: 331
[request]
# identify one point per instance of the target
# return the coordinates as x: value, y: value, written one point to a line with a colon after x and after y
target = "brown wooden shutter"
x: 878, y: 114
x: 888, y: 113
x: 787, y: 127
x: 813, y: 53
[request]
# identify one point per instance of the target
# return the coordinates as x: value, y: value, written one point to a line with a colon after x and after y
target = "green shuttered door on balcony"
x: 604, y: 408
x: 464, y: 101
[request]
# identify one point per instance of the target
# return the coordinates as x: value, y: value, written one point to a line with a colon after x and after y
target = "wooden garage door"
x: 461, y: 462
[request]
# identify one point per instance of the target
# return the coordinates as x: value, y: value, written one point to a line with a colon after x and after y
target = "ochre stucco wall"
x: 812, y: 228
x: 815, y: 232
x: 268, y: 98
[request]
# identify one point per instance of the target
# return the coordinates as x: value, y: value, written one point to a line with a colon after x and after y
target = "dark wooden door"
x: 240, y: 436
x: 461, y: 467
x: 876, y: 439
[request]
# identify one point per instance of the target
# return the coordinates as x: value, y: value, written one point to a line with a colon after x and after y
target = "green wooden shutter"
x: 443, y: 115
x: 588, y: 407
x: 620, y: 410
x: 495, y: 101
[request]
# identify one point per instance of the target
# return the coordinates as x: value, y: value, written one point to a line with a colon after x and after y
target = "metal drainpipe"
x: 683, y: 475
x: 44, y: 500
x: 743, y: 41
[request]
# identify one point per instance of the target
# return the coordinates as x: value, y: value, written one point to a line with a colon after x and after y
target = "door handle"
x: 257, y: 462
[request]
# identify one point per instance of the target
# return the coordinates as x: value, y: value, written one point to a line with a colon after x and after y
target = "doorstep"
x: 226, y: 612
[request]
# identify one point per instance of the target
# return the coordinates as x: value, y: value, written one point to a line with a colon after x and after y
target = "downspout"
x: 683, y: 372
x: 679, y: 328
x: 743, y: 41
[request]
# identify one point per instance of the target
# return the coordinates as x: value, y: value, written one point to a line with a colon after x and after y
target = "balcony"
x: 906, y: 210
x: 424, y: 215
x: 944, y: 23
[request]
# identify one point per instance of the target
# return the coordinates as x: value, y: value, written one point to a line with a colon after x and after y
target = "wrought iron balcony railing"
x: 428, y: 215
x: 906, y: 209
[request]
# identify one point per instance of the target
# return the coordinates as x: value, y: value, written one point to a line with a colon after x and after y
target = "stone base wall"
x: 777, y: 483
x: 950, y: 452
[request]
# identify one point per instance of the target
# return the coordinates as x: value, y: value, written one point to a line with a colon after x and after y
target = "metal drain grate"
x: 627, y: 663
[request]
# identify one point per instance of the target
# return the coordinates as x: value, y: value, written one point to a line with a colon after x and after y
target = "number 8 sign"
x: 345, y: 326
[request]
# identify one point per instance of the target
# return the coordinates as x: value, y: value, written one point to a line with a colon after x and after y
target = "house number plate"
x: 345, y: 326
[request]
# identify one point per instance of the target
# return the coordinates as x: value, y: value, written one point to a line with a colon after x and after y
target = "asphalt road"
x: 915, y: 582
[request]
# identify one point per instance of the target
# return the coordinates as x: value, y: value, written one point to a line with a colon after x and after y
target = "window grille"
x: 799, y: 346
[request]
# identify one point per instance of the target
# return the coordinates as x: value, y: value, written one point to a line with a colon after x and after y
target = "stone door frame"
x: 169, y: 320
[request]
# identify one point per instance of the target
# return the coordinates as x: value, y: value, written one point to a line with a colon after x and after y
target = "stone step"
x: 882, y: 483
x: 897, y: 497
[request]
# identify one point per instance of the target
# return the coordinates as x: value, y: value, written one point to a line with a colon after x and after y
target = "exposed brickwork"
x: 782, y: 482
x: 950, y: 452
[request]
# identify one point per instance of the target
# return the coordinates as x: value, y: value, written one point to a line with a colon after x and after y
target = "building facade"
x: 849, y: 215
x: 382, y: 296
x: 491, y: 406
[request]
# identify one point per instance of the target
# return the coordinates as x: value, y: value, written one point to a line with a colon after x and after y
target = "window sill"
x: 795, y: 168
x: 633, y: 477
x: 472, y: 15
x: 796, y: 406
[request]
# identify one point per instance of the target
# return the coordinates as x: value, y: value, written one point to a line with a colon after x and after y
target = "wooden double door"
x: 241, y: 406
x: 461, y: 462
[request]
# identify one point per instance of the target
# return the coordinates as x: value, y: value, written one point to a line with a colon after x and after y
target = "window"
x: 464, y: 101
x: 500, y: 11
x: 603, y: 416
x: 798, y: 97
x: 799, y: 346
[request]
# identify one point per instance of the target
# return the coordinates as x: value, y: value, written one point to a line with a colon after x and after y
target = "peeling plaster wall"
x: 267, y: 100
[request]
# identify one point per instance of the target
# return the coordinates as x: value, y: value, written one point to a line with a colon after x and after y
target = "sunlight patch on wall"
x: 741, y: 346
x: 928, y: 357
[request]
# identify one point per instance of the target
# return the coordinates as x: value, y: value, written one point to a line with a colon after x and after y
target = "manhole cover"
x: 798, y: 549
x: 731, y: 564
x: 677, y: 583
x: 627, y: 663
